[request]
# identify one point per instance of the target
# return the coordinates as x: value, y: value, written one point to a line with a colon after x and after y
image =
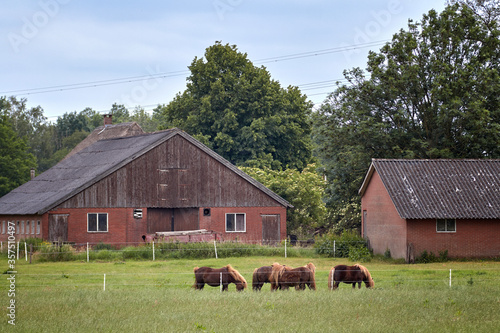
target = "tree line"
x: 433, y: 91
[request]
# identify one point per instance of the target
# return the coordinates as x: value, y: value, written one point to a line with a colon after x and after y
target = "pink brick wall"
x: 381, y: 222
x: 472, y: 239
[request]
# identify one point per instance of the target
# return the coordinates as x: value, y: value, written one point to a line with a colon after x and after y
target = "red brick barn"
x: 411, y: 206
x: 116, y: 190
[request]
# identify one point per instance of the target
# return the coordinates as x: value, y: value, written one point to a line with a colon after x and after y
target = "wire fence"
x: 383, y: 279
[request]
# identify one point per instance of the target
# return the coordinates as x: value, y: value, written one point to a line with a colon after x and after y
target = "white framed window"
x: 33, y: 227
x: 97, y: 222
x: 18, y: 230
x: 3, y: 227
x: 38, y: 227
x: 236, y: 222
x: 446, y: 225
x: 28, y: 227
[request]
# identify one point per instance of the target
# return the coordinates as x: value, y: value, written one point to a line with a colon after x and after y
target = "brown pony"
x: 213, y: 277
x: 299, y: 277
x: 263, y: 275
x: 349, y: 274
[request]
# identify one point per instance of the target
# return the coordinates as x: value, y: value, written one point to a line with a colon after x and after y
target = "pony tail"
x: 255, y: 282
x: 330, y: 278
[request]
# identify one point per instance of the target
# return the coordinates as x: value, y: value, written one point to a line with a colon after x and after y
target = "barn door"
x: 172, y: 219
x: 58, y: 227
x: 159, y: 219
x: 270, y: 229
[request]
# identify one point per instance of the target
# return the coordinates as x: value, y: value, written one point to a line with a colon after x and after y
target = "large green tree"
x: 432, y: 92
x: 15, y: 158
x: 241, y: 113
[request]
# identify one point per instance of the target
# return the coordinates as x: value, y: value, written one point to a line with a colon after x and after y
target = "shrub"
x: 359, y: 253
x: 324, y: 245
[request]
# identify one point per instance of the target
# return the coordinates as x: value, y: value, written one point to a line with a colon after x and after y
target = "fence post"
x: 31, y: 252
x: 87, y: 251
x: 26, y: 250
x: 17, y: 250
x: 285, y: 247
x: 450, y: 277
x: 153, y: 251
x: 334, y: 248
x: 104, y: 281
x: 220, y: 281
x: 215, y: 247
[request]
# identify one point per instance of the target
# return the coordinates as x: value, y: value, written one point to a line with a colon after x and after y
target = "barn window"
x: 446, y: 225
x: 38, y: 226
x: 235, y: 222
x: 97, y: 222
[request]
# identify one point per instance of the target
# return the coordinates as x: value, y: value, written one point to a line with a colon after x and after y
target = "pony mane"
x: 276, y: 271
x: 311, y: 267
x: 236, y: 275
x: 367, y: 274
x: 195, y: 269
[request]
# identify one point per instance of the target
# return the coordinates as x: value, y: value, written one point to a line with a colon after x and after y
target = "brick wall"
x: 217, y: 219
x: 381, y: 222
x: 21, y: 225
x: 472, y: 239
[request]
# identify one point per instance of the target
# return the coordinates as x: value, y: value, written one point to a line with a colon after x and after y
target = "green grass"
x: 147, y: 296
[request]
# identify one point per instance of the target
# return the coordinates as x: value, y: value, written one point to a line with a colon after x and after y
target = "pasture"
x: 147, y: 296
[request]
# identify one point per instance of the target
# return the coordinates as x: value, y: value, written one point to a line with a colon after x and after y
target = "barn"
x: 412, y: 206
x: 116, y: 190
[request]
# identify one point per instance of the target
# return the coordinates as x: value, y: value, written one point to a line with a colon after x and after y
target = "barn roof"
x: 445, y: 188
x: 91, y: 164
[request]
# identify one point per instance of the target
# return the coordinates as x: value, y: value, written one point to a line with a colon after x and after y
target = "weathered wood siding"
x: 174, y: 174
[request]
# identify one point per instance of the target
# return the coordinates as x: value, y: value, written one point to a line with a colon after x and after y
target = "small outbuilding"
x: 439, y: 206
x: 117, y: 190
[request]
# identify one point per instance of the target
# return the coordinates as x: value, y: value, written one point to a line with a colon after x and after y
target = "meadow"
x: 156, y: 296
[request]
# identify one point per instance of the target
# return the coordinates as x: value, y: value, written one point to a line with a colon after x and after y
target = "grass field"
x: 147, y: 296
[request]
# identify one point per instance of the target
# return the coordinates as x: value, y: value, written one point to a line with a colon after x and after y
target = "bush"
x: 56, y: 253
x: 324, y: 245
x: 359, y: 253
x: 430, y: 257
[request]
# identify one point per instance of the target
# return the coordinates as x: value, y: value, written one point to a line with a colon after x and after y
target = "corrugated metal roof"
x: 88, y: 166
x: 444, y: 188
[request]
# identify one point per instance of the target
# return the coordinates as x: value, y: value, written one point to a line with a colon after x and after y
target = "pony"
x: 214, y: 276
x: 350, y: 274
x: 263, y: 275
x: 299, y: 277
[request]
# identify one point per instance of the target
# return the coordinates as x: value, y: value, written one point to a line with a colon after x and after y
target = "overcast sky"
x: 66, y: 55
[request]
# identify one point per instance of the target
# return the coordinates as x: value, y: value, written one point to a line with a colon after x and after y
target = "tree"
x: 241, y: 113
x: 303, y: 189
x: 15, y: 160
x: 433, y: 92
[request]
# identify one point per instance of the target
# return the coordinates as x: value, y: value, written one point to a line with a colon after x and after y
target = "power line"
x: 93, y: 84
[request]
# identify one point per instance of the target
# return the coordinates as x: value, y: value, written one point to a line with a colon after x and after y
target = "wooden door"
x: 186, y: 219
x: 159, y: 219
x: 58, y: 227
x: 270, y: 229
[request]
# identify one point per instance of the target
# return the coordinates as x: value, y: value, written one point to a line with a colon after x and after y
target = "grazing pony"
x: 299, y: 277
x: 263, y: 275
x: 214, y: 276
x: 349, y: 274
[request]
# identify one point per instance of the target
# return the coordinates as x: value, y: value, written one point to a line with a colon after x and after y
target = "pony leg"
x: 359, y: 285
x: 336, y: 285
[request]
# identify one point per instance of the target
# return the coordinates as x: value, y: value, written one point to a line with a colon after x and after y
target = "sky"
x: 67, y: 55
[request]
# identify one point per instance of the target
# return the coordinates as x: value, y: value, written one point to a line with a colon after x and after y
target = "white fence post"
x: 450, y: 277
x: 17, y: 250
x: 26, y: 249
x: 104, y: 281
x: 285, y: 247
x: 220, y: 281
x: 334, y: 248
x: 215, y: 247
x: 87, y: 251
x: 153, y: 251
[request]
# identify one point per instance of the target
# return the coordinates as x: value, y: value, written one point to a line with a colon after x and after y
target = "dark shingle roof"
x: 86, y: 167
x: 423, y: 189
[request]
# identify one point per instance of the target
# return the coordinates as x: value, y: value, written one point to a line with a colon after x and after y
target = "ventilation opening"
x: 206, y: 211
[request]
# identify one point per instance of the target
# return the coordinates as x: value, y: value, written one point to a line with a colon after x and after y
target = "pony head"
x: 242, y: 283
x: 368, y: 277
